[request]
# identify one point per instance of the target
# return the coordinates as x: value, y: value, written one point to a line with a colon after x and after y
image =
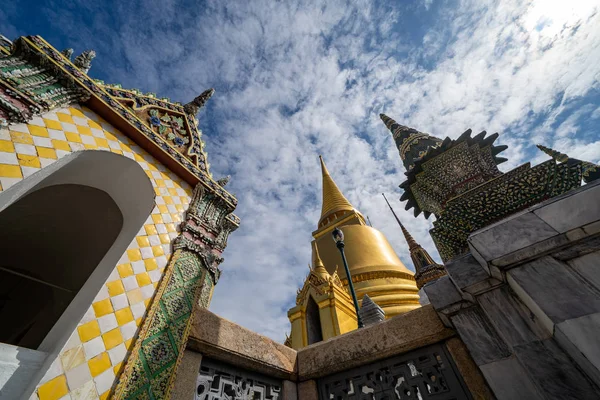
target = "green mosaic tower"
x: 458, y: 181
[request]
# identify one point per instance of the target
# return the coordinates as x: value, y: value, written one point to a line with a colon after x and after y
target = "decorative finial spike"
x: 412, y: 243
x: 84, y: 60
x: 317, y: 264
x: 224, y: 181
x: 426, y: 269
x: 67, y: 53
x: 195, y: 105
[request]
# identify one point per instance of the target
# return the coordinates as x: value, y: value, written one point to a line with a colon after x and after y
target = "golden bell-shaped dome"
x: 376, y: 269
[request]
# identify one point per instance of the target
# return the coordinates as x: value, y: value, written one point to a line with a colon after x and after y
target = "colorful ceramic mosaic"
x: 35, y: 78
x: 459, y: 181
x: 430, y: 182
x: 152, y: 365
x: 38, y: 53
x: 189, y: 281
x: 30, y: 88
x: 90, y: 361
x: 499, y: 198
x: 590, y: 171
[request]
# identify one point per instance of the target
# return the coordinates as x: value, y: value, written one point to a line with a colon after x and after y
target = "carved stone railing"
x: 221, y: 381
x: 427, y: 373
x: 411, y: 356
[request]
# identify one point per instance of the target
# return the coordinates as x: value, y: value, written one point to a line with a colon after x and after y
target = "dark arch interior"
x: 313, y: 322
x: 51, y: 240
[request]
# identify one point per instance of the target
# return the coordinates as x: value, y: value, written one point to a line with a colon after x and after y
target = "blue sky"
x: 297, y: 79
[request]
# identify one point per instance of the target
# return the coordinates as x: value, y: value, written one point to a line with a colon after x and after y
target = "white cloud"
x: 299, y: 79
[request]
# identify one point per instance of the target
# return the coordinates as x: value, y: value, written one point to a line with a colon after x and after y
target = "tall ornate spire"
x: 411, y: 143
x: 333, y: 199
x: 426, y: 269
x: 412, y: 243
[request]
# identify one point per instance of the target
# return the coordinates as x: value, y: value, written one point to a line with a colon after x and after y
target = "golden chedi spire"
x: 375, y: 267
x: 334, y: 202
x: 376, y: 272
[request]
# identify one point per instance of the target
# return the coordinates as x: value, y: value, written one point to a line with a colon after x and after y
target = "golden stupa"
x: 376, y: 271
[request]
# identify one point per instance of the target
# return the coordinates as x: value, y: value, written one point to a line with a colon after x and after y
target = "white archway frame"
x: 130, y: 188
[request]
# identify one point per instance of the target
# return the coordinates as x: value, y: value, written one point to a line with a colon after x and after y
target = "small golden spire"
x: 318, y: 267
x: 333, y: 199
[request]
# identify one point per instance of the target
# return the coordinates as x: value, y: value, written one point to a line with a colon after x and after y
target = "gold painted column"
x: 189, y: 279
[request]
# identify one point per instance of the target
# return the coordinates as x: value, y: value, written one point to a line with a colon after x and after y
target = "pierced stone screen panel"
x: 424, y: 374
x: 218, y: 381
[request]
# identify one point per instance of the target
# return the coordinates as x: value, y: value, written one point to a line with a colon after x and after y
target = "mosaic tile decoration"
x: 151, y: 368
x: 88, y: 364
x: 188, y: 282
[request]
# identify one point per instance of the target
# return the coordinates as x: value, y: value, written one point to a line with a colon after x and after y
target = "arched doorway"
x: 314, y: 332
x: 53, y: 238
x: 62, y: 232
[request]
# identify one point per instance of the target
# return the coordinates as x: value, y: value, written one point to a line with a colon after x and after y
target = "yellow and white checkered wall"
x: 87, y: 366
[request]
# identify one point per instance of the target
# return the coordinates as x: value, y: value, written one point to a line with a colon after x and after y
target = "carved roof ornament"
x: 195, y: 105
x: 224, y: 181
x: 288, y: 340
x: 318, y: 268
x: 84, y: 60
x: 67, y: 53
x: 318, y: 278
x: 5, y: 42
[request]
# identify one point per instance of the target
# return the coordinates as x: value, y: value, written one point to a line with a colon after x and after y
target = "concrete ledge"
x: 397, y: 335
x: 222, y: 340
x: 511, y: 234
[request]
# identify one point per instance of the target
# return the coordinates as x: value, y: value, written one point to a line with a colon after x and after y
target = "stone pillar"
x: 187, y: 376
x: 187, y: 283
x: 289, y: 390
x: 308, y: 390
